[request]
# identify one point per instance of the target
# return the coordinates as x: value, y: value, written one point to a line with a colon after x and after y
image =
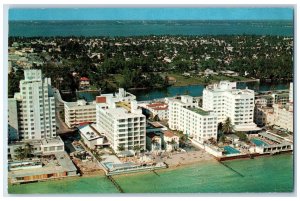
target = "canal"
x: 193, y: 90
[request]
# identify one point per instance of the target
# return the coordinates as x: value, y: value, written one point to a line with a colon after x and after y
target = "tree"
x: 227, y: 127
x: 241, y: 135
x: 173, y: 142
x: 182, y: 140
x: 20, y: 153
x: 222, y: 138
x: 121, y: 148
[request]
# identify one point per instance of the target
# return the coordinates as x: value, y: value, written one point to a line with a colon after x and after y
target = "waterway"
x: 193, y: 90
x: 113, y: 28
x: 262, y: 174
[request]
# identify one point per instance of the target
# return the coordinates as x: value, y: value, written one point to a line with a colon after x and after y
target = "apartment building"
x: 121, y: 121
x: 36, y: 107
x: 79, y: 112
x: 186, y: 116
x: 228, y: 101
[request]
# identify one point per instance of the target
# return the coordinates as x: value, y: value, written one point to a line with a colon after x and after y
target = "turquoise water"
x: 230, y: 150
x: 258, y: 142
x: 262, y: 174
x: 97, y: 184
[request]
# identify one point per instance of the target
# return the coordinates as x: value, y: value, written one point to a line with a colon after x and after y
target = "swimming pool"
x: 230, y: 150
x: 258, y: 142
x: 109, y: 165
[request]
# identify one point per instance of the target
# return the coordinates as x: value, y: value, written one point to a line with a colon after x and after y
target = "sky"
x: 151, y: 13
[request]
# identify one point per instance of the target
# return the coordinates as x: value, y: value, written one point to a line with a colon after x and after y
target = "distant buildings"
x: 79, y: 112
x: 280, y: 113
x: 227, y: 101
x: 35, y: 109
x: 186, y: 116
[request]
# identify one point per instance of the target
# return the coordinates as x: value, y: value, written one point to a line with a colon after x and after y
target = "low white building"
x: 91, y: 137
x: 154, y: 142
x: 79, y: 112
x: 283, y: 116
x: 39, y: 147
x: 186, y: 116
x: 171, y: 141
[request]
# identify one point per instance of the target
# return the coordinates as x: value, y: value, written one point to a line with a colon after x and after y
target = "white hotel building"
x: 121, y: 121
x: 227, y: 101
x: 36, y: 115
x: 79, y: 112
x: 186, y: 116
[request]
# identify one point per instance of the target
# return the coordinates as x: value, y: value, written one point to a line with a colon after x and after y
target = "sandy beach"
x: 192, y: 157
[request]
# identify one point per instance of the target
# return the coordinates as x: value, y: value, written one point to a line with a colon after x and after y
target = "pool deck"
x: 247, y: 156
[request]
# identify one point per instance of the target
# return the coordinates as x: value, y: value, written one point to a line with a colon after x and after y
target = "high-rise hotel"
x: 32, y: 111
x: 228, y: 101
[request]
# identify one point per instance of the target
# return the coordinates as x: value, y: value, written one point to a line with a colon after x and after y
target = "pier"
x: 115, y: 183
x: 233, y: 170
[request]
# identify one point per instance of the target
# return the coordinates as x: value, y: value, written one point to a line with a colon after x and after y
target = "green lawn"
x: 196, y: 79
x: 181, y: 80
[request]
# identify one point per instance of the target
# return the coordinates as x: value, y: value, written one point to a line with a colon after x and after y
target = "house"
x: 84, y: 82
x: 154, y: 142
x: 171, y: 141
x: 171, y: 80
x: 208, y: 72
x: 230, y: 73
x: 186, y: 74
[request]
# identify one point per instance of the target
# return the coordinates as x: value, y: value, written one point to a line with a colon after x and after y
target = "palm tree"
x: 137, y: 148
x: 28, y: 150
x: 227, y: 127
x: 20, y: 154
x: 121, y: 148
x: 173, y: 142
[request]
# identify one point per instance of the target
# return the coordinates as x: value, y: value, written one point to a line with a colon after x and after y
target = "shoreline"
x: 172, y: 167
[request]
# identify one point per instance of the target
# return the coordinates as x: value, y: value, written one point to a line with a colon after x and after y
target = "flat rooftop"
x: 199, y: 111
x: 56, y: 141
x: 122, y: 113
x: 89, y: 132
x: 64, y: 165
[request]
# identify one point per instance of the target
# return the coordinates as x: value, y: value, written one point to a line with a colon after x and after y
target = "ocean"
x: 260, y: 175
x: 144, y: 28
